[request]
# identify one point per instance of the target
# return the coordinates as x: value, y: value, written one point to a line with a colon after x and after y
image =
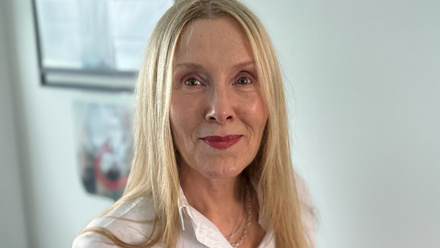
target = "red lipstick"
x: 219, y: 142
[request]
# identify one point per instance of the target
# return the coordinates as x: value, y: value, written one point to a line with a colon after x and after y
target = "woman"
x: 212, y: 165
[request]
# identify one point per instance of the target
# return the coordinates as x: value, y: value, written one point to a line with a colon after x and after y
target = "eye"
x: 244, y: 81
x: 192, y: 82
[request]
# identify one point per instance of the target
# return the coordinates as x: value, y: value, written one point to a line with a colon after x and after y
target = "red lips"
x: 221, y: 142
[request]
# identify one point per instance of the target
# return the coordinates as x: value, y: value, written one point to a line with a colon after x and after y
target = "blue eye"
x: 244, y: 81
x: 192, y: 82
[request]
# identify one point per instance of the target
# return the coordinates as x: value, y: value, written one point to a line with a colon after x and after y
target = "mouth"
x: 221, y: 142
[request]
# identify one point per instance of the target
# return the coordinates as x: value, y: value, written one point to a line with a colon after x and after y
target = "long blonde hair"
x: 154, y: 172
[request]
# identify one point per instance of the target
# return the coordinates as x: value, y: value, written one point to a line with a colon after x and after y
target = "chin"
x: 223, y: 172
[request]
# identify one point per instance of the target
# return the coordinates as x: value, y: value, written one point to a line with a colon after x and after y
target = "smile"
x: 219, y: 142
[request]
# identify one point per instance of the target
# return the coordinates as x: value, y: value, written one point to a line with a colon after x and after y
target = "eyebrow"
x: 196, y: 66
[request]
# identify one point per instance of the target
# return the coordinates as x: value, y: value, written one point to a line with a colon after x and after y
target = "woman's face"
x: 217, y: 110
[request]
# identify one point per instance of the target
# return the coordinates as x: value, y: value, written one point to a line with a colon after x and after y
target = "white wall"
x: 363, y: 85
x: 12, y: 221
x: 56, y: 205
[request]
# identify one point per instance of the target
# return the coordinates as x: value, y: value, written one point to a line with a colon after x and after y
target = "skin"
x: 216, y: 92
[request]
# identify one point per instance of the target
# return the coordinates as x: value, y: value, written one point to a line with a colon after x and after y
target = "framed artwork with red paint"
x: 104, y: 137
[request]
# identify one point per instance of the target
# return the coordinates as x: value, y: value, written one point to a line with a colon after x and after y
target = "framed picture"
x: 104, y: 143
x: 94, y: 44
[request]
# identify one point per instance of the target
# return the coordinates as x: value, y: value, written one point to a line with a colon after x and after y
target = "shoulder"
x: 130, y: 221
x: 92, y: 239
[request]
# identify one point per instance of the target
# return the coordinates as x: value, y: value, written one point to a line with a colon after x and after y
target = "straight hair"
x: 155, y: 172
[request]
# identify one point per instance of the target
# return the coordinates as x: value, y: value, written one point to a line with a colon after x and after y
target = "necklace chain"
x: 248, y: 219
x: 236, y: 227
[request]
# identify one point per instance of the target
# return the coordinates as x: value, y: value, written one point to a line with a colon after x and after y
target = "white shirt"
x: 198, y: 231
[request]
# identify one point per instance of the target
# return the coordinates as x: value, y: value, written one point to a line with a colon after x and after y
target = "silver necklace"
x: 248, y: 219
x: 236, y: 227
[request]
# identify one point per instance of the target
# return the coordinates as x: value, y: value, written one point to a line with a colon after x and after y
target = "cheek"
x: 184, y: 117
x: 256, y: 113
x: 174, y: 115
x: 177, y: 119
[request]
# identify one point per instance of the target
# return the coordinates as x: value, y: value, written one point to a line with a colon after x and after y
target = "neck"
x: 219, y: 200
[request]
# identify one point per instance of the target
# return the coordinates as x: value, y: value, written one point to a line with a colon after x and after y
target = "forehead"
x: 221, y: 39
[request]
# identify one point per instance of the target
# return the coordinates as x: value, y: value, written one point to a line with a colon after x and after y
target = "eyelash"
x: 192, y: 79
x: 248, y: 77
x: 250, y: 80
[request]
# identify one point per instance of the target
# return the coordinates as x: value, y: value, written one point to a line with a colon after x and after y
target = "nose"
x: 220, y: 106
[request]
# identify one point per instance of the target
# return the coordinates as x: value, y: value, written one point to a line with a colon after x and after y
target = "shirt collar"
x: 263, y: 220
x: 182, y: 203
